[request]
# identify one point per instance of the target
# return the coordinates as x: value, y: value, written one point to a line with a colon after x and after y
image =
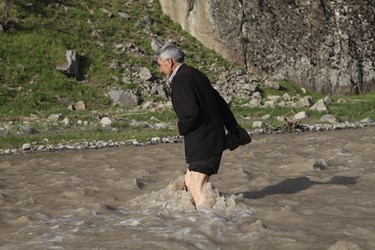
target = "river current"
x: 293, y: 191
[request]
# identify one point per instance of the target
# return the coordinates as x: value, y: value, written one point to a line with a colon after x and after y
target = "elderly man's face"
x: 166, y: 67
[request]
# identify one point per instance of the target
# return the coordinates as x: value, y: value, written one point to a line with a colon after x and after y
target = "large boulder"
x: 72, y: 65
x: 325, y: 45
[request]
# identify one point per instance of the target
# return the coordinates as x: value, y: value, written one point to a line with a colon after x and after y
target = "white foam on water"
x: 174, y: 198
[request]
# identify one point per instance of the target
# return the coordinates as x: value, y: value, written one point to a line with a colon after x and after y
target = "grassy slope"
x: 43, y: 31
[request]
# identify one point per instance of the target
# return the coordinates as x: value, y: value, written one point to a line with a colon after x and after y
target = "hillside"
x: 116, y: 42
x: 113, y: 39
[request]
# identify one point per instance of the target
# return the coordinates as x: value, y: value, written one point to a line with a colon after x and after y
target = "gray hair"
x: 171, y: 51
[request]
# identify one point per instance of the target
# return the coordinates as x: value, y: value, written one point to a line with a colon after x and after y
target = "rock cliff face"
x: 325, y: 45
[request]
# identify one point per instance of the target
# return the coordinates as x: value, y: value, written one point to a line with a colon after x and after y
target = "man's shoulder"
x: 187, y: 70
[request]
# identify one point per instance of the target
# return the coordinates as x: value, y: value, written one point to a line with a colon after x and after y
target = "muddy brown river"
x: 294, y: 191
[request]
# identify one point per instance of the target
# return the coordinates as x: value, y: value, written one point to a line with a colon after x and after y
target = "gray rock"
x: 55, y: 117
x: 266, y: 117
x: 272, y: 84
x: 367, y: 120
x: 274, y: 98
x: 313, y: 45
x: 147, y: 20
x: 299, y: 116
x: 306, y: 101
x: 257, y: 95
x: 145, y: 74
x: 28, y: 130
x: 26, y: 146
x: 270, y: 104
x: 66, y: 121
x: 80, y: 106
x: 255, y: 103
x: 106, y: 122
x: 124, y: 16
x: 320, y: 165
x: 248, y: 86
x: 124, y: 98
x: 319, y: 106
x: 286, y: 97
x: 156, y: 44
x: 258, y: 124
x: 72, y: 67
x: 328, y: 118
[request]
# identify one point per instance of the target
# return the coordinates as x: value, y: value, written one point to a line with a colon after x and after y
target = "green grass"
x: 354, y: 108
x: 42, y: 32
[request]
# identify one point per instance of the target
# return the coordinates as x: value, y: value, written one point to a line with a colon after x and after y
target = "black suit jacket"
x: 202, y: 114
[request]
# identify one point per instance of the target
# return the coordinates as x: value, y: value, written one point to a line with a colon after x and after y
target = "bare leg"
x: 195, y: 183
x: 187, y: 180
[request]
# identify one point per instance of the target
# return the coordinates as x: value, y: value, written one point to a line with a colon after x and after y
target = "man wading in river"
x: 202, y: 115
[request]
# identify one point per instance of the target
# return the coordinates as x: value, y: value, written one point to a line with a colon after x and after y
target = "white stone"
x: 258, y: 124
x: 55, y: 117
x: 367, y: 120
x: 105, y: 122
x: 274, y: 98
x: 319, y: 105
x: 80, y: 106
x: 286, y: 97
x: 301, y: 115
x: 270, y: 104
x: 266, y: 117
x: 145, y: 74
x: 255, y: 103
x: 66, y: 121
x: 257, y: 95
x: 26, y: 146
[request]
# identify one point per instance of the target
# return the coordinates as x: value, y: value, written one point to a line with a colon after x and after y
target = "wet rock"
x: 320, y: 165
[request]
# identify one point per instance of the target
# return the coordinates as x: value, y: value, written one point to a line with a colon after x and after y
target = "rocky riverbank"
x: 99, y: 144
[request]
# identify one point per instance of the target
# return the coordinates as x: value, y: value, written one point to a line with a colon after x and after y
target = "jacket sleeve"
x: 186, y: 106
x: 229, y: 120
